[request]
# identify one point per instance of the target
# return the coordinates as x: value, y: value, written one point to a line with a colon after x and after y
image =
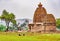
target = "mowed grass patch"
x: 12, y: 36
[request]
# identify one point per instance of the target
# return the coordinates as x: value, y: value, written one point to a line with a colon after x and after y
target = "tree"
x: 58, y: 23
x: 7, y: 18
x: 24, y: 26
x: 14, y: 23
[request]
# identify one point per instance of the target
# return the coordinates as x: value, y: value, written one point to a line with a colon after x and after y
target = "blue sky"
x: 26, y: 8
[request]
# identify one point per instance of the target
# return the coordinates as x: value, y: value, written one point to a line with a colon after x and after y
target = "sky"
x: 26, y: 8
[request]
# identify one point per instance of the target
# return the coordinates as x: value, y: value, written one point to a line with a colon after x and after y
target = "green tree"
x: 14, y: 23
x: 58, y: 23
x: 7, y: 18
x: 24, y: 26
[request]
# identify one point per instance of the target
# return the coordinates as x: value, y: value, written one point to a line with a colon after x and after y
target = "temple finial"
x: 40, y: 5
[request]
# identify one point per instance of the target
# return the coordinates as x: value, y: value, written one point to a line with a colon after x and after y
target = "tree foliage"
x: 58, y: 23
x: 7, y: 17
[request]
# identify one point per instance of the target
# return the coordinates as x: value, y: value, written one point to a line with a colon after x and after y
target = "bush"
x: 2, y: 28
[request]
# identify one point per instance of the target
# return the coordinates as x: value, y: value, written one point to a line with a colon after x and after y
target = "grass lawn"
x: 11, y: 36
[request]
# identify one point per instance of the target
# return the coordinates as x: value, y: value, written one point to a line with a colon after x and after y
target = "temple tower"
x: 39, y: 14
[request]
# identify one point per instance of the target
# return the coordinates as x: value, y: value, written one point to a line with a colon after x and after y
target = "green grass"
x: 11, y: 36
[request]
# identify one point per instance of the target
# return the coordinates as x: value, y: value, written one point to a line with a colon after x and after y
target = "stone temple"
x: 42, y: 22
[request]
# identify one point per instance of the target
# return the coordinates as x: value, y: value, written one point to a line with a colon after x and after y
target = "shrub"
x: 2, y: 28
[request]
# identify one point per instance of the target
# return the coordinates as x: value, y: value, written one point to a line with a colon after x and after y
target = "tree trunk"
x: 7, y: 24
x: 6, y: 29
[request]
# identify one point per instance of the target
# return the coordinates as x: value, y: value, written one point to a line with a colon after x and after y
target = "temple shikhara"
x: 42, y: 21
